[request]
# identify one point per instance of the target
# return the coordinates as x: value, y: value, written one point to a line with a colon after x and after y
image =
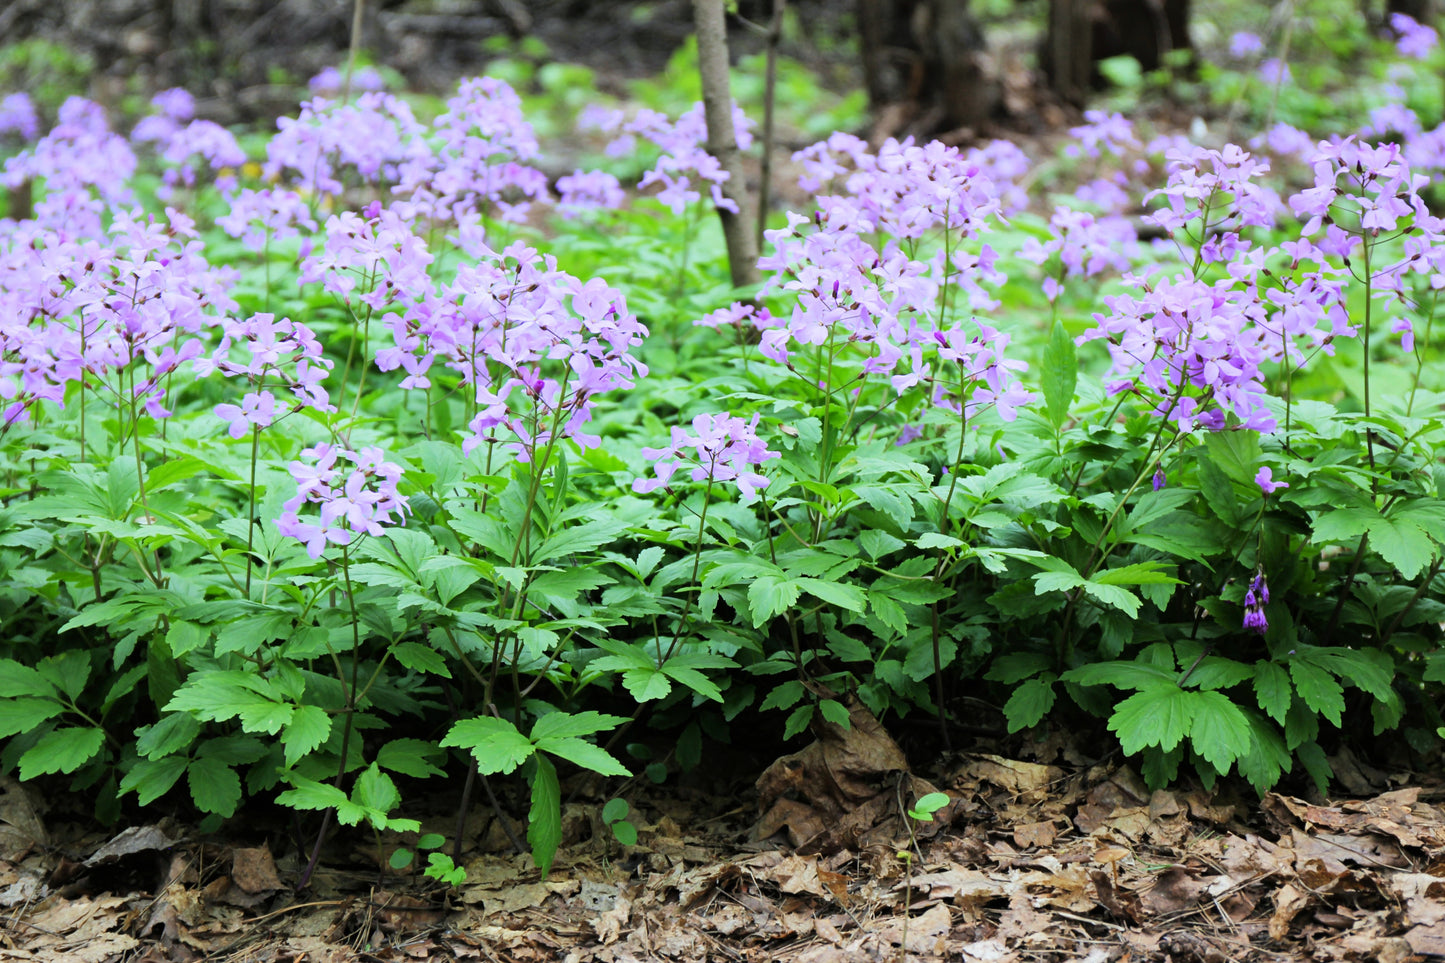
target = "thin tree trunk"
x: 722, y: 141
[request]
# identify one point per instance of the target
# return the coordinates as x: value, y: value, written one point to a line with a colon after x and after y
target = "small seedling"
x: 441, y: 868
x: 922, y: 812
x: 614, y: 814
x: 402, y: 857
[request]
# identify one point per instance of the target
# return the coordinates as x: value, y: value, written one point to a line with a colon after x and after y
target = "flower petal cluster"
x: 370, y: 142
x: 361, y: 500
x: 18, y: 117
x: 722, y: 448
x: 278, y: 355
x: 1255, y: 599
x: 80, y: 154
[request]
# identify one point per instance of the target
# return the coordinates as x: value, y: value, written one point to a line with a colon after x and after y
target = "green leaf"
x: 309, y: 727
x: 61, y: 750
x: 798, y: 721
x: 22, y: 680
x: 582, y: 753
x: 174, y: 732
x: 836, y: 713
x: 400, y: 859
x: 67, y: 671
x: 938, y: 540
x: 410, y: 757
x: 1059, y: 374
x: 421, y: 658
x: 586, y: 537
x: 1157, y: 716
x: 150, y: 779
x: 1219, y: 731
x: 1030, y: 702
x: 26, y: 713
x: 771, y: 596
x: 1124, y: 675
x: 878, y: 543
x: 215, y: 787
x: 1216, y: 672
x: 614, y: 810
x: 1017, y: 666
x: 375, y: 791
x: 1318, y: 689
x: 557, y: 725
x: 494, y: 743
x: 1112, y: 595
x: 644, y: 683
x: 544, y: 819
x: 1272, y: 689
x: 848, y: 597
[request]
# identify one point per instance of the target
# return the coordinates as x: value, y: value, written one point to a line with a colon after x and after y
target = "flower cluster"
x: 1086, y: 245
x: 684, y: 164
x: 184, y: 144
x: 724, y: 449
x: 18, y: 117
x: 80, y: 154
x: 258, y: 217
x: 279, y: 354
x: 1255, y: 599
x: 361, y: 501
x: 370, y: 141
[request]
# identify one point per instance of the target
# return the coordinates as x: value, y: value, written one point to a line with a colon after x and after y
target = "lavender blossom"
x: 724, y: 449
x: 1255, y: 599
x: 362, y: 501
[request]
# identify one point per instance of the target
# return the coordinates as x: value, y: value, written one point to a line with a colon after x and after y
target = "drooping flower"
x: 1264, y: 478
x: 1255, y: 599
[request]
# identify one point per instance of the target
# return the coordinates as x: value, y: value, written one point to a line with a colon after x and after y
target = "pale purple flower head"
x: 18, y: 117
x: 1256, y: 597
x: 1244, y: 44
x: 1264, y: 478
x: 724, y: 449
x: 1413, y: 39
x: 360, y: 501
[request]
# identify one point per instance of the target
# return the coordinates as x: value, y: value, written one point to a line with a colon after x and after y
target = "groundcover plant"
x: 368, y: 455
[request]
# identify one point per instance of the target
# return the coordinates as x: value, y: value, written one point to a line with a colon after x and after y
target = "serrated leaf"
x: 421, y: 658
x: 495, y: 743
x: 937, y: 540
x: 798, y: 720
x: 1318, y: 689
x: 770, y: 596
x: 844, y: 596
x: 26, y: 713
x: 1272, y: 689
x: 61, y: 750
x: 150, y: 779
x: 1059, y: 374
x: 1029, y: 703
x: 556, y: 725
x: 582, y: 753
x: 575, y: 539
x: 215, y: 787
x: 1157, y: 716
x: 888, y: 611
x: 1219, y: 731
x: 645, y: 683
x: 410, y: 757
x: 835, y: 712
x: 1124, y: 675
x: 22, y: 680
x: 374, y: 790
x: 878, y: 543
x: 309, y: 727
x: 544, y: 819
x: 1216, y: 672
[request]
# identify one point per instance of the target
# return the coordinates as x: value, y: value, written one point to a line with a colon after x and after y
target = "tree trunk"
x: 922, y: 65
x: 1083, y: 32
x: 722, y: 141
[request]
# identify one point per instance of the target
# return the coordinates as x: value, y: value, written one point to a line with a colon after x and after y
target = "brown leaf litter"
x: 1043, y: 859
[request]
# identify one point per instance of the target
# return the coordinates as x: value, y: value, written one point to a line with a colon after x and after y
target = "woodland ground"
x: 1043, y: 854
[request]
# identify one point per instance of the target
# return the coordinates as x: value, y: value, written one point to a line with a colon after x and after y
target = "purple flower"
x: 1413, y: 39
x: 361, y: 501
x: 1244, y: 44
x: 1264, y: 478
x: 257, y: 409
x: 724, y: 448
x: 1406, y: 331
x: 18, y: 116
x: 1255, y: 599
x: 1160, y: 479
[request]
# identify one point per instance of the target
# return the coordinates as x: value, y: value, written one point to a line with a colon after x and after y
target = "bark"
x: 922, y: 65
x: 722, y: 141
x: 1083, y: 32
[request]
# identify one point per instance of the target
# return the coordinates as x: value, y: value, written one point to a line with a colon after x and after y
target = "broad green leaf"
x: 1124, y: 675
x: 771, y: 596
x: 1318, y: 689
x: 309, y: 727
x: 61, y: 750
x: 494, y: 743
x: 215, y: 787
x: 645, y: 683
x: 1158, y: 716
x: 1017, y: 666
x: 585, y: 537
x: 421, y: 658
x: 150, y: 779
x: 22, y: 680
x: 544, y: 819
x: 374, y: 790
x: 175, y: 731
x: 1219, y: 731
x: 1272, y: 689
x: 1216, y: 672
x: 584, y: 754
x: 836, y: 713
x: 26, y: 713
x: 555, y: 725
x: 844, y: 596
x: 878, y: 543
x: 1115, y: 596
x: 411, y: 757
x: 1030, y: 702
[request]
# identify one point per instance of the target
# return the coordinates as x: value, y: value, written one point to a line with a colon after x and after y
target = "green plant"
x: 614, y: 817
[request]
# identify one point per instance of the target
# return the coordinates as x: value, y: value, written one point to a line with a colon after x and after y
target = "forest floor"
x: 1049, y: 857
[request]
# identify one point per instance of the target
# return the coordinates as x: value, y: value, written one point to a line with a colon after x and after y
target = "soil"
x: 1041, y: 854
